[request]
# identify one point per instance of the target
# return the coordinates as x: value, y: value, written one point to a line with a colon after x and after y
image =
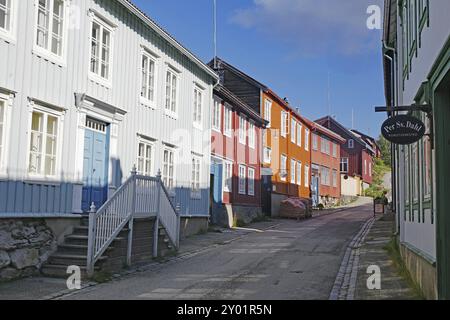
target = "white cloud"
x: 313, y: 26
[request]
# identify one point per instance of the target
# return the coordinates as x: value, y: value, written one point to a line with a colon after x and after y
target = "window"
x: 293, y: 174
x: 299, y: 134
x: 50, y: 25
x: 168, y: 174
x: 2, y: 128
x: 171, y: 92
x: 365, y: 167
x: 5, y: 15
x: 228, y: 121
x: 148, y: 77
x: 228, y: 177
x: 334, y: 150
x: 217, y: 116
x: 251, y: 135
x: 344, y: 165
x: 145, y: 158
x: 325, y: 176
x: 351, y: 144
x: 427, y: 161
x: 242, y: 130
x: 335, y: 178
x: 299, y: 173
x: 315, y: 142
x: 198, y: 102
x: 43, y: 144
x: 307, y: 176
x: 306, y: 139
x: 242, y: 179
x: 293, y: 130
x: 268, y: 111
x: 195, y: 179
x: 101, y: 45
x: 283, y: 169
x: 325, y: 145
x: 267, y: 155
x: 284, y: 123
x: 415, y: 171
x: 407, y: 175
x: 251, y: 182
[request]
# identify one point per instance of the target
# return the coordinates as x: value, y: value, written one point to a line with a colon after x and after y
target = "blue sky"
x: 291, y: 46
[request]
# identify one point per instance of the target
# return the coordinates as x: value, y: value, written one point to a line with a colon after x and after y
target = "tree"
x: 386, y: 152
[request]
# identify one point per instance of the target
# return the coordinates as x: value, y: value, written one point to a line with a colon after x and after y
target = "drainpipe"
x: 394, y: 99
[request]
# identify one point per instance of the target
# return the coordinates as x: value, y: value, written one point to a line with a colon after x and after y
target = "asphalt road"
x: 294, y: 260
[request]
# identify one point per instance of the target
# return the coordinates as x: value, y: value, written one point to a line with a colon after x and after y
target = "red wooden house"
x: 356, y: 159
x: 236, y: 160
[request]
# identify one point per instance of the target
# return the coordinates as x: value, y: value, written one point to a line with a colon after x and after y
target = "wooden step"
x: 60, y: 271
x: 71, y: 259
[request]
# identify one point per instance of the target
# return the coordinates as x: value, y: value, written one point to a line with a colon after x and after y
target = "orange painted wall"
x: 281, y: 145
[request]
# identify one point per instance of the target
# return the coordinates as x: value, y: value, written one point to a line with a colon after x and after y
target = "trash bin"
x: 379, y: 206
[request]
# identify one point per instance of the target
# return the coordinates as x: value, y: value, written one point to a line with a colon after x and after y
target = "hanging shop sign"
x: 403, y: 129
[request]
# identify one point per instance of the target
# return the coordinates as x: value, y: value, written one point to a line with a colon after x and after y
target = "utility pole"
x: 215, y: 33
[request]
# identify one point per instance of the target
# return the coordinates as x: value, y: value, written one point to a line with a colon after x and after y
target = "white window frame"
x: 227, y: 176
x: 306, y: 175
x: 196, y: 177
x: 345, y: 161
x: 325, y: 176
x: 104, y: 25
x: 299, y: 173
x: 7, y: 101
x: 307, y: 132
x: 242, y: 179
x: 47, y: 53
x: 315, y: 142
x: 325, y: 145
x: 283, y: 167
x: 293, y: 130
x: 172, y: 104
x: 251, y: 135
x: 267, y: 155
x: 299, y: 134
x: 365, y: 166
x: 370, y: 169
x: 151, y: 58
x: 198, y: 106
x: 334, y: 178
x: 46, y: 111
x: 146, y: 143
x: 251, y: 181
x: 217, y: 116
x: 165, y: 178
x: 242, y: 130
x: 351, y: 143
x: 9, y: 33
x: 228, y: 121
x: 284, y: 123
x: 293, y: 171
x: 268, y: 111
x: 335, y: 147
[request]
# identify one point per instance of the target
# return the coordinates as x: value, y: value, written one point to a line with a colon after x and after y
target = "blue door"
x: 95, y: 167
x: 315, y: 190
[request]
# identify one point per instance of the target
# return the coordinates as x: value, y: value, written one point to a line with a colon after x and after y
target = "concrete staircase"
x: 73, y: 251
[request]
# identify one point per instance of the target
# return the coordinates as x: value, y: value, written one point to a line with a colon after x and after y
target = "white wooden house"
x: 88, y: 89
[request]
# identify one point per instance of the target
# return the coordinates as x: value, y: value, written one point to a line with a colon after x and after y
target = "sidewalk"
x: 372, y: 252
x: 37, y: 288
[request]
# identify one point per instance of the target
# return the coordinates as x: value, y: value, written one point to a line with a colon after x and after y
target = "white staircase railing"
x: 139, y: 196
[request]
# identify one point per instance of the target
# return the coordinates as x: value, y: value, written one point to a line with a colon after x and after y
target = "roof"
x: 221, y: 63
x: 348, y: 131
x: 166, y: 36
x: 287, y: 106
x: 226, y: 94
x: 331, y: 134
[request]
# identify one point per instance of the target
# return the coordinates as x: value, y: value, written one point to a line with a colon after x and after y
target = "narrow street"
x: 293, y: 260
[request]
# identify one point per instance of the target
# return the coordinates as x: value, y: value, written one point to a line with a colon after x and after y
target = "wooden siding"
x: 32, y: 76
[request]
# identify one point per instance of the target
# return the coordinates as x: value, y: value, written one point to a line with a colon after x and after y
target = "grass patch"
x: 102, y: 277
x: 239, y: 223
x: 377, y: 189
x: 394, y: 253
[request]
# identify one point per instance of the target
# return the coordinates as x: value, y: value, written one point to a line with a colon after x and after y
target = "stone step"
x: 71, y: 259
x: 60, y: 271
x: 76, y: 239
x: 76, y: 249
x: 84, y: 231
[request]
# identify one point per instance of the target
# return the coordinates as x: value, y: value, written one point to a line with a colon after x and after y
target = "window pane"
x: 57, y: 28
x: 42, y: 24
x: 95, y: 54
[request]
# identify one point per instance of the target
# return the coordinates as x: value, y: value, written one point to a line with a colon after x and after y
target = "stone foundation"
x: 230, y: 215
x: 422, y: 271
x: 25, y: 245
x: 192, y: 225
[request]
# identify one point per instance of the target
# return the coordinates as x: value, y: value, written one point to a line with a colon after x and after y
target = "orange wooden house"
x: 286, y: 155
